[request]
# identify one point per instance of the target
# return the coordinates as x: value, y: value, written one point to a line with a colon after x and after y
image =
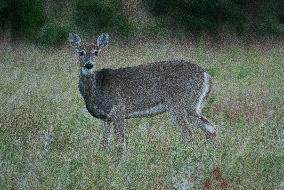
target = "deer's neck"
x: 93, y: 97
x: 87, y: 86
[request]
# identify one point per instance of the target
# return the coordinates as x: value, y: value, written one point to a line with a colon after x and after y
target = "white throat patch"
x: 86, y: 71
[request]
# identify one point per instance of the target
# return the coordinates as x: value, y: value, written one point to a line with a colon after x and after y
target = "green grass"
x: 39, y: 95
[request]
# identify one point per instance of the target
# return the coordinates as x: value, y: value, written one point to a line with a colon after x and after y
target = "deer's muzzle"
x: 89, y: 65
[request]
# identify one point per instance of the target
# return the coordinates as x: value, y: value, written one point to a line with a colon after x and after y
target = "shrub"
x: 272, y: 18
x: 22, y: 18
x: 53, y: 34
x: 212, y: 16
x: 95, y: 16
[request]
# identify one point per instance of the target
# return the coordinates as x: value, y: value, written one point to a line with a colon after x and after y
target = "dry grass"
x: 46, y: 142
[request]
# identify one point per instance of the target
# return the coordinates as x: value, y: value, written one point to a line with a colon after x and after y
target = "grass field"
x: 48, y: 142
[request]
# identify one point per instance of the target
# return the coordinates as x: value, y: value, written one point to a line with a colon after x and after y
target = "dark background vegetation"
x: 48, y: 22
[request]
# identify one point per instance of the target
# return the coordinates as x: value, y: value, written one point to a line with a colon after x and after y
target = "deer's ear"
x: 102, y: 40
x: 74, y: 40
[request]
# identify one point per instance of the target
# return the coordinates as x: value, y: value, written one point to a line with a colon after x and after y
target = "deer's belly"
x: 158, y: 109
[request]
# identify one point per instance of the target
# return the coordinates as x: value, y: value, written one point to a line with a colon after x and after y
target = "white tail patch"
x: 204, y: 91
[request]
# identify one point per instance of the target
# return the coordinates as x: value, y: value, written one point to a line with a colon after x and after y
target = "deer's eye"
x: 81, y: 53
x: 96, y: 53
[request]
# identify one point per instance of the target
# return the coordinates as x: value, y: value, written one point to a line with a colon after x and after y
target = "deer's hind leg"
x: 194, y: 109
x: 178, y: 115
x: 201, y: 122
x: 196, y: 119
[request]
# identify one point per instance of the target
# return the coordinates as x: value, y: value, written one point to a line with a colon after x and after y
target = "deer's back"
x: 168, y: 73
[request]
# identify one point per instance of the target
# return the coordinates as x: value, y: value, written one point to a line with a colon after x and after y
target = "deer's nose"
x: 89, y: 65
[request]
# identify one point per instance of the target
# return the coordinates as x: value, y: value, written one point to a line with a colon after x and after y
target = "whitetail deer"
x: 177, y: 87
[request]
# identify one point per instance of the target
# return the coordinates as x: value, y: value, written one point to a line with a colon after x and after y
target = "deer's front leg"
x: 106, y: 133
x: 119, y: 132
x: 118, y: 117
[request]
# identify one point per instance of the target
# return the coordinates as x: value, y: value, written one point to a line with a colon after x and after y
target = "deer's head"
x: 88, y: 52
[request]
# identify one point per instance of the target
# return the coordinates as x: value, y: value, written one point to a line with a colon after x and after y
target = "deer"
x: 176, y: 87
